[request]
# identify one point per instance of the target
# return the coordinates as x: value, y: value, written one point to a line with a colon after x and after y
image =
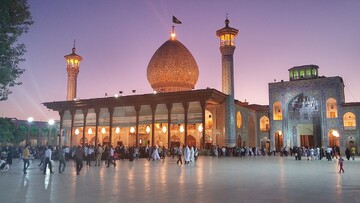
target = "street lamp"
x: 50, y: 122
x: 30, y: 119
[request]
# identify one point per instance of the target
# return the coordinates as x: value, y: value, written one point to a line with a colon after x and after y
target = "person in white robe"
x: 192, y: 153
x: 187, y: 155
x: 155, y: 154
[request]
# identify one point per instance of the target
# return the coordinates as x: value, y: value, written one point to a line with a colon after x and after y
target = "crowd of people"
x: 94, y: 155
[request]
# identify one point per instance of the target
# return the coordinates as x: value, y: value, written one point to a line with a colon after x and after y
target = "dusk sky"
x: 117, y: 39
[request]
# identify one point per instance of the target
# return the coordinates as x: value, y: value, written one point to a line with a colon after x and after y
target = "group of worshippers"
x: 190, y: 154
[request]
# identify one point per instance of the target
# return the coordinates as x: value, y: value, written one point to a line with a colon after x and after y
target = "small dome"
x: 172, y: 68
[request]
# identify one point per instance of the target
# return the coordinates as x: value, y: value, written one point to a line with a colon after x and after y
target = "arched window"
x: 349, y: 121
x: 277, y: 112
x: 208, y: 119
x: 264, y: 124
x: 331, y: 108
x: 238, y: 119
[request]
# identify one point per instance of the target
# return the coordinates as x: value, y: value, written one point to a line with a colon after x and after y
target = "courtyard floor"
x: 231, y: 179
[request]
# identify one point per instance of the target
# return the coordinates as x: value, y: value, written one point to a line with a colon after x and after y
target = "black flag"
x: 176, y: 21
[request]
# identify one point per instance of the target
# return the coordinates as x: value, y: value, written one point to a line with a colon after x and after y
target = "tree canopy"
x: 9, y: 133
x: 15, y: 19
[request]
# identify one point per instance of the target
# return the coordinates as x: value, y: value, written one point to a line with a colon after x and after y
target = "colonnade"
x: 137, y: 109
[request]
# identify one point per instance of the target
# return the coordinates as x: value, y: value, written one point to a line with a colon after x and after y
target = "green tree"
x: 7, y: 130
x: 15, y: 19
x: 20, y: 135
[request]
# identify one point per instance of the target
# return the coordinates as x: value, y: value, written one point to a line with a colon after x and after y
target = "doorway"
x: 279, y: 141
x: 307, y: 141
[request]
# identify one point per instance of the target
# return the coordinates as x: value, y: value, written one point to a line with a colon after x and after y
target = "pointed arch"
x: 251, y: 132
x: 277, y: 111
x: 331, y: 108
x: 264, y: 124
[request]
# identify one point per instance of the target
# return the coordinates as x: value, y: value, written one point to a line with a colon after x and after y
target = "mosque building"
x: 176, y: 113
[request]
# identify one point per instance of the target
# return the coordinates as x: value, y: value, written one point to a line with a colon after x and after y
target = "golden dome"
x: 172, y: 68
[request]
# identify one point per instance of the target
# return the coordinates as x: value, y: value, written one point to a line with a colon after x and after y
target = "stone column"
x: 111, y: 112
x: 137, y: 109
x: 72, y: 112
x: 97, y: 112
x: 186, y: 108
x: 153, y: 111
x: 85, y: 111
x: 61, y: 114
x: 169, y: 107
x: 203, y: 105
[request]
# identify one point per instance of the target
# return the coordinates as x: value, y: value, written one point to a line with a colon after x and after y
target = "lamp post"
x: 51, y: 123
x: 30, y: 119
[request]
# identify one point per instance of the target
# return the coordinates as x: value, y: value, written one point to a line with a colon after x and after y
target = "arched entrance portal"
x: 92, y: 141
x: 105, y: 140
x: 279, y: 141
x: 85, y: 141
x: 351, y: 142
x: 174, y: 141
x: 239, y: 141
x: 191, y: 141
x: 333, y: 136
x: 265, y: 144
x: 208, y: 142
x: 251, y: 133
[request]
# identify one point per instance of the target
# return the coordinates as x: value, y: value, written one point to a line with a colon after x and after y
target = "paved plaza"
x: 231, y: 179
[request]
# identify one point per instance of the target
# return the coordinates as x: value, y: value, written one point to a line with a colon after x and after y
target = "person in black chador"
x: 347, y: 153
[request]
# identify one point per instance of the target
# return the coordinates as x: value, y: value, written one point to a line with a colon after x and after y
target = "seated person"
x: 4, y: 166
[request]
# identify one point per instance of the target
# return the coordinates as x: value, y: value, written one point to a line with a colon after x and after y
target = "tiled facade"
x: 310, y: 112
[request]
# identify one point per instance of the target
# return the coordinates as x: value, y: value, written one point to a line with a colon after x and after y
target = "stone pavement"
x: 231, y: 179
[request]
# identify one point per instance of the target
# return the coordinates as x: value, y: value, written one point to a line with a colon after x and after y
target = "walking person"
x: 61, y: 157
x: 87, y: 155
x: 111, y: 157
x: 196, y: 153
x: 352, y: 153
x: 192, y: 154
x: 328, y: 153
x: 99, y: 152
x: 341, y: 164
x: 48, y: 154
x: 179, y: 153
x: 187, y: 155
x: 347, y: 153
x: 26, y: 157
x: 67, y: 153
x: 79, y: 156
x: 42, y: 157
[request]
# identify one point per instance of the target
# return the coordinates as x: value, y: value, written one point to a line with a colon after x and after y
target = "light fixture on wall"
x: 77, y: 132
x: 335, y: 133
x: 89, y: 131
x: 181, y: 129
x: 147, y: 129
x: 200, y: 128
x: 117, y: 130
x: 164, y: 129
x: 132, y: 130
x: 103, y: 131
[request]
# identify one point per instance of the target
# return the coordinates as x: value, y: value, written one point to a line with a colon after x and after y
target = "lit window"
x: 349, y: 121
x: 238, y: 119
x: 264, y: 124
x: 331, y: 108
x: 277, y: 113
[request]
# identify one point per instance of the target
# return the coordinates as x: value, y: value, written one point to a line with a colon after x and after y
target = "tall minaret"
x: 227, y: 47
x: 72, y: 67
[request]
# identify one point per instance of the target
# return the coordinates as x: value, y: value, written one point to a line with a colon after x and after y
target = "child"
x: 341, y: 164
